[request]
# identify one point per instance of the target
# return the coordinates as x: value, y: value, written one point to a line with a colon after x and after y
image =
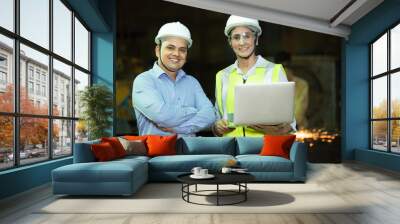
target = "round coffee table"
x: 238, y: 179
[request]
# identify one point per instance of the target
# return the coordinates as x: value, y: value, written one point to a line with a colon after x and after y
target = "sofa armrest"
x: 83, y: 152
x: 298, y: 155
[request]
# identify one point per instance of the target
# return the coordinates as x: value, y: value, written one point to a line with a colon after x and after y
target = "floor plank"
x: 376, y: 190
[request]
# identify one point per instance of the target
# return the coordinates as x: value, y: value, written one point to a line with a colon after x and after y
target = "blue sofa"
x: 125, y: 176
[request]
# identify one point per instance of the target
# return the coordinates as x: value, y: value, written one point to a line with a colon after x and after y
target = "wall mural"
x: 312, y: 60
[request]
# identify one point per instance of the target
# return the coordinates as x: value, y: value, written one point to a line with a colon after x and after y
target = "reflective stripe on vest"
x: 225, y: 88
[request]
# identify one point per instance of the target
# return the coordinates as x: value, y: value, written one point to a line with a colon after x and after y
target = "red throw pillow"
x: 116, y: 145
x: 161, y: 145
x: 277, y: 145
x: 134, y: 138
x: 103, y: 151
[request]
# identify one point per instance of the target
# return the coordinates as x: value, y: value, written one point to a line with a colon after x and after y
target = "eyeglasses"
x: 244, y: 36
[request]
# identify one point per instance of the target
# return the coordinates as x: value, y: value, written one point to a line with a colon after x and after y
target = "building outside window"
x: 34, y: 73
x: 385, y: 91
x: 30, y: 87
x: 43, y: 90
x: 3, y: 71
x: 3, y: 61
x: 30, y: 72
x: 43, y: 78
x: 37, y: 75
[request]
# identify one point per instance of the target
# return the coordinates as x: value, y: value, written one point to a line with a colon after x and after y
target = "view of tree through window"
x: 385, y: 91
x: 40, y: 123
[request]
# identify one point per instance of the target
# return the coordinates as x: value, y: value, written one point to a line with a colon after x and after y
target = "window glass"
x: 379, y: 135
x: 6, y: 142
x: 379, y: 97
x: 62, y: 91
x: 395, y: 95
x: 395, y: 138
x: 33, y: 140
x: 34, y: 80
x: 7, y: 14
x: 81, y: 45
x: 379, y: 56
x: 395, y: 47
x: 81, y: 81
x: 39, y: 61
x: 62, y: 137
x: 81, y: 131
x: 34, y: 21
x: 6, y: 74
x: 62, y: 29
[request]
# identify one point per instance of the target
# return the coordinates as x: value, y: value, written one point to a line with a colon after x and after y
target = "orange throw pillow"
x: 103, y: 151
x: 116, y: 145
x: 134, y: 138
x: 277, y: 145
x: 161, y: 145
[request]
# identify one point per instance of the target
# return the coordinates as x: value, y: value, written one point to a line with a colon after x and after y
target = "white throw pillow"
x: 135, y: 147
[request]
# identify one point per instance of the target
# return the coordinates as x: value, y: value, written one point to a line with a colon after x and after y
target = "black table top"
x: 220, y: 178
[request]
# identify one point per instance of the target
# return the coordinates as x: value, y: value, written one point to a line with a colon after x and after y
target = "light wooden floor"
x: 377, y: 188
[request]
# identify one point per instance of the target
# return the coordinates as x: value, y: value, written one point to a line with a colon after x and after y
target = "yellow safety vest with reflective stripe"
x: 227, y: 79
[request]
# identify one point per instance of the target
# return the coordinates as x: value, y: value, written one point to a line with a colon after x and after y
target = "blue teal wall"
x: 100, y: 16
x: 356, y: 86
x: 103, y: 50
x: 24, y: 178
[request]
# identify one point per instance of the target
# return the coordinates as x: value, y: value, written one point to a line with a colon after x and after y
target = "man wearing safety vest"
x: 165, y: 98
x: 243, y: 34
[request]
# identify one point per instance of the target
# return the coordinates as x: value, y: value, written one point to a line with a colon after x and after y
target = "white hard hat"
x: 175, y: 29
x: 235, y: 21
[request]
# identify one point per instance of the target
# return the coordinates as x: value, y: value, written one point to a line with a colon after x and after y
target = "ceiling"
x: 333, y: 17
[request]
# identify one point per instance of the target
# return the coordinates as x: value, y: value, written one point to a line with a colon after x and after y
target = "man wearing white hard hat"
x: 243, y: 34
x: 167, y: 100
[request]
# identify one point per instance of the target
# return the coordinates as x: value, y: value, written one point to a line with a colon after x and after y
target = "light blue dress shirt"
x: 179, y: 104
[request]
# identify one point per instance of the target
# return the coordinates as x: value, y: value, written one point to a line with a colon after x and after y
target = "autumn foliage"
x: 33, y: 130
x: 380, y: 127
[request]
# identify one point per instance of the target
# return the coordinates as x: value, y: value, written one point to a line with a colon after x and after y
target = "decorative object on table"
x: 227, y: 167
x: 200, y: 173
x: 222, y: 197
x: 196, y: 170
x: 237, y: 170
x: 203, y: 176
x: 226, y: 170
x: 231, y: 163
x: 96, y: 103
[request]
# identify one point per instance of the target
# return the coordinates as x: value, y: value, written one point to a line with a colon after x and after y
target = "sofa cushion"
x: 277, y: 145
x: 185, y: 163
x: 130, y: 158
x: 134, y: 147
x: 206, y: 145
x: 249, y: 145
x: 117, y: 146
x: 103, y: 151
x: 135, y: 137
x: 83, y: 152
x: 257, y: 163
x: 118, y: 171
x: 161, y: 145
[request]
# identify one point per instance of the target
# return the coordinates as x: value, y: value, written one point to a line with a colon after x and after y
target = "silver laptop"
x: 269, y: 104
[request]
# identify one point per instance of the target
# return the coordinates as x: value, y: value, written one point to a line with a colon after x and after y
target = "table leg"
x: 245, y: 191
x: 217, y: 194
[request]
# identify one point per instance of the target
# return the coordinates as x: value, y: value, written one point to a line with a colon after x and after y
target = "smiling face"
x: 242, y: 41
x: 172, y: 54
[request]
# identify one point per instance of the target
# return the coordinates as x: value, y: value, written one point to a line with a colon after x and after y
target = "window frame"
x: 16, y: 114
x: 388, y: 74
